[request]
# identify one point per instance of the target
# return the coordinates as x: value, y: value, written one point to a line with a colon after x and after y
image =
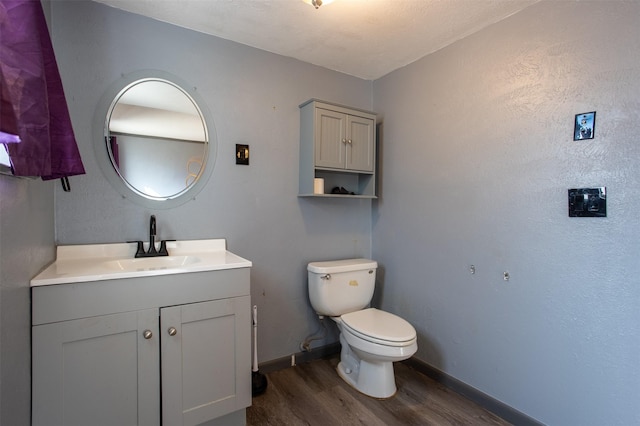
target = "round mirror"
x: 157, y: 141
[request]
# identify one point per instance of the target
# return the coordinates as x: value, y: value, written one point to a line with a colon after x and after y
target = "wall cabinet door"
x: 360, y: 144
x: 206, y: 360
x: 97, y: 371
x: 343, y: 141
x: 330, y: 138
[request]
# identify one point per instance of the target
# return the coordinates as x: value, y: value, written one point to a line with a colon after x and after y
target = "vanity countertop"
x: 97, y: 262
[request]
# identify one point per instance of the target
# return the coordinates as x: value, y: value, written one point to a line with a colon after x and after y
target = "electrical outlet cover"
x: 588, y: 202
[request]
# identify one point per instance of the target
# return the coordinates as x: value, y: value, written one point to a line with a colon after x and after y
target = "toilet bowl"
x: 371, y: 339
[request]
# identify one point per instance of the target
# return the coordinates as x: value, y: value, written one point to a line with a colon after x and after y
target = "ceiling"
x: 363, y: 38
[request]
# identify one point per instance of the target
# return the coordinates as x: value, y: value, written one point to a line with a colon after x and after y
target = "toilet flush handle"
x: 326, y: 277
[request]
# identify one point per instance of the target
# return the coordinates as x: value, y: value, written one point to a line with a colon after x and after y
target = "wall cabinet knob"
x: 147, y: 334
x: 172, y: 331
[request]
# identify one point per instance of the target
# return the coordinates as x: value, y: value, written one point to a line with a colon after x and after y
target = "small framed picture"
x: 585, y: 126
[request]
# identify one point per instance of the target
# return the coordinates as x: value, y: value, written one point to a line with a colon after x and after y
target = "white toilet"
x: 372, y: 340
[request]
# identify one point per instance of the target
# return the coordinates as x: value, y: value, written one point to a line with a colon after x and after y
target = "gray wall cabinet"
x: 337, y: 144
x: 173, y: 350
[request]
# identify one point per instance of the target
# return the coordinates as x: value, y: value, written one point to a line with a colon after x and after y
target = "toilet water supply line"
x: 320, y: 334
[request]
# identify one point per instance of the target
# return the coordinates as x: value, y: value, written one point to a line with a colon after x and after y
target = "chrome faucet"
x: 151, y: 252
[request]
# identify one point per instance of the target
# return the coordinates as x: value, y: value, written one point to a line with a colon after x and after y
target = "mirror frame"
x: 103, y: 156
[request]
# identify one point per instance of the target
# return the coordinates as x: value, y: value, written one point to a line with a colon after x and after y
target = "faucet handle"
x: 139, y: 248
x: 163, y: 248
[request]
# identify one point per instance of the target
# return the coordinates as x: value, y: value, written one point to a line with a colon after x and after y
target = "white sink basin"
x: 151, y: 263
x: 96, y: 262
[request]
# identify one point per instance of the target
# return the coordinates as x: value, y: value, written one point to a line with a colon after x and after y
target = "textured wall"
x: 253, y: 97
x: 26, y: 246
x: 477, y: 156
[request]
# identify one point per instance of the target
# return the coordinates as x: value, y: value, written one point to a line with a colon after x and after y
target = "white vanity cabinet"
x: 169, y: 349
x: 337, y: 144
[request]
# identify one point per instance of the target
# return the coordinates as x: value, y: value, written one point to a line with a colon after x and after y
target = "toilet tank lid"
x: 344, y: 265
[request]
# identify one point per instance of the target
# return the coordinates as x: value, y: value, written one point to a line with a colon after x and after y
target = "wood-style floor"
x: 314, y: 394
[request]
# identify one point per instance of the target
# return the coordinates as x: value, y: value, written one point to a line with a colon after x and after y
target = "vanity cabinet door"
x: 97, y: 371
x: 206, y: 360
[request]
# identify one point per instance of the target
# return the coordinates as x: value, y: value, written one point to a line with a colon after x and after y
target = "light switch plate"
x: 588, y: 202
x: 242, y: 154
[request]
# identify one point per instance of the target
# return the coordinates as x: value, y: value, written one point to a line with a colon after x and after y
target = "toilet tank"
x: 341, y: 286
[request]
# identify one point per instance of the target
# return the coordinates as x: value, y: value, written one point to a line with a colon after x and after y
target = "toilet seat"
x: 379, y: 327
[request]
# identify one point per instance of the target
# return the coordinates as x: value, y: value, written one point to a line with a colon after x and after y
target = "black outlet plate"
x: 588, y: 202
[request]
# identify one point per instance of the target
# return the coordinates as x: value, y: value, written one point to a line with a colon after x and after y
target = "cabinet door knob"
x: 349, y: 141
x: 147, y: 334
x: 344, y: 141
x: 172, y: 331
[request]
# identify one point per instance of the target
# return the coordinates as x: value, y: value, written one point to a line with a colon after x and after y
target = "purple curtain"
x: 32, y: 104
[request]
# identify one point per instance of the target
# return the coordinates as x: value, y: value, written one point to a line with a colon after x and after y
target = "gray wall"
x: 490, y: 119
x: 26, y: 244
x: 253, y: 96
x: 488, y: 123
